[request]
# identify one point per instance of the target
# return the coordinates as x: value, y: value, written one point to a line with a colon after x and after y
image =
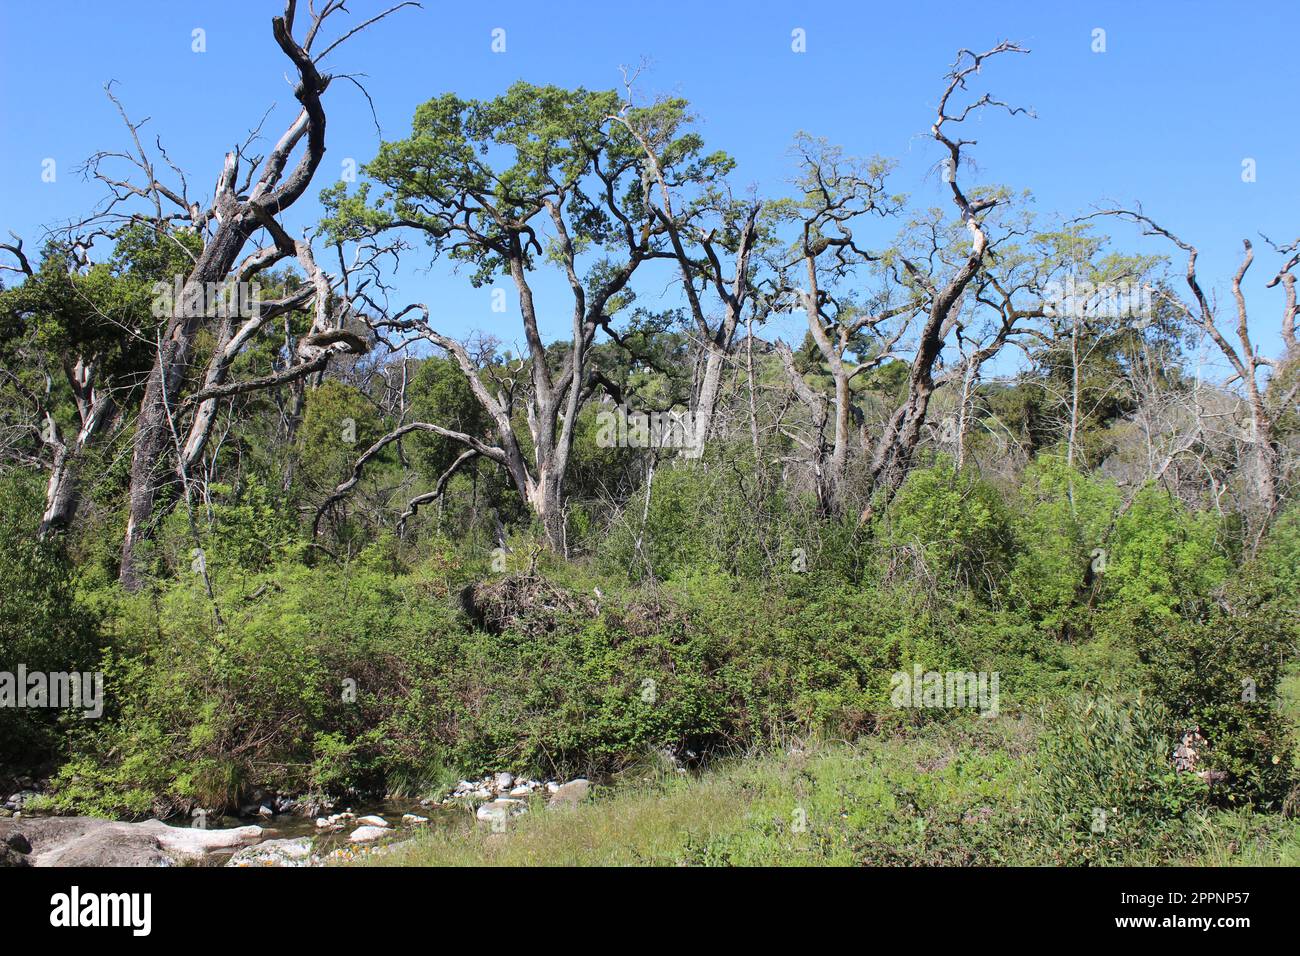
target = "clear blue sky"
x: 1184, y: 92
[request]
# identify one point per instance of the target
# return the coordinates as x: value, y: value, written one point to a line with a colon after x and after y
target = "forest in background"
x: 315, y: 544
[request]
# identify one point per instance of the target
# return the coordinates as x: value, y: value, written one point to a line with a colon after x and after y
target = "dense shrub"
x: 947, y: 525
x: 1061, y: 530
x: 200, y: 711
x: 1106, y: 783
x: 415, y: 661
x: 1163, y: 558
x: 712, y: 518
x: 1221, y: 671
x: 42, y: 625
x: 565, y: 682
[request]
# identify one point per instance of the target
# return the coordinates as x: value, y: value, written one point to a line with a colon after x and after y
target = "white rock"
x: 366, y: 834
x: 411, y: 820
x: 196, y: 842
x: 500, y: 810
x: 521, y: 791
x: 374, y: 820
x: 552, y: 786
x: 504, y: 781
x: 295, y: 852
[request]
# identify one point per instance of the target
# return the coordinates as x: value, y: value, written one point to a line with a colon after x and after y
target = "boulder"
x: 368, y: 833
x: 497, y: 812
x: 374, y: 820
x: 296, y: 852
x: 571, y: 794
x: 88, y: 841
x: 194, y: 843
x: 11, y: 857
x: 84, y: 841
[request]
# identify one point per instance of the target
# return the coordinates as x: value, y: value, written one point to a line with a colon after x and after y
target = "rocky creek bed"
x: 289, y: 832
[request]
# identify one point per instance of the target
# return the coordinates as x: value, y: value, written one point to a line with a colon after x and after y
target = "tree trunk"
x: 60, y: 492
x: 153, y: 431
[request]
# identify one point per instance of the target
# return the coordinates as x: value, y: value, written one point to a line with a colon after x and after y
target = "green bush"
x: 1106, y: 786
x: 948, y: 525
x: 1221, y: 670
x: 1164, y: 558
x: 1060, y: 531
x: 711, y: 518
x: 201, y: 711
x: 42, y: 625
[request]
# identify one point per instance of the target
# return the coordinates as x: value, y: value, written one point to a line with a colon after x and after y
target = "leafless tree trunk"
x: 238, y: 213
x: 1245, y: 359
x: 894, y: 449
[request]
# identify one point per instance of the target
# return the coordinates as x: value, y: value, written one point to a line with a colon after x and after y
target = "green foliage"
x: 242, y: 531
x: 942, y: 796
x: 339, y: 423
x: 1106, y: 783
x: 202, y: 713
x: 42, y: 625
x: 1061, y: 531
x: 949, y: 526
x: 709, y: 518
x: 1164, y: 558
x: 1278, y: 564
x: 439, y: 392
x: 1221, y: 671
x: 477, y: 164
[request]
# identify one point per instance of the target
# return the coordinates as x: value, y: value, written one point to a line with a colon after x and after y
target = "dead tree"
x: 95, y: 397
x: 1245, y: 359
x: 239, y: 210
x: 892, y: 451
x: 836, y: 193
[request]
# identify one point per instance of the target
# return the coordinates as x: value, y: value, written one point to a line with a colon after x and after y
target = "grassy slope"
x: 951, y: 794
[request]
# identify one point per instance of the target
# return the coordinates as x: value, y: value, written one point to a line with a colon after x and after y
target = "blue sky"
x: 1184, y: 92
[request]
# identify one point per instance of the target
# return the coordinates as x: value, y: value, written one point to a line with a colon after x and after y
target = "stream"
x: 289, y: 826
